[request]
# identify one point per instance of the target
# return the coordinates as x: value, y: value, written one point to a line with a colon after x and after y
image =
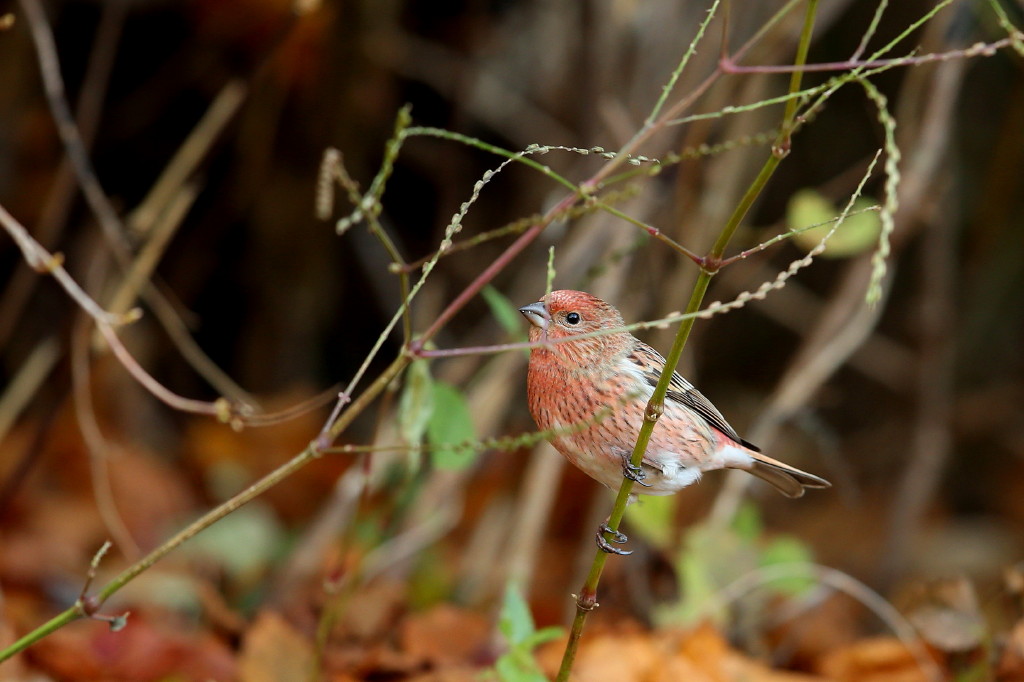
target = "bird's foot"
x: 634, y: 472
x: 617, y: 537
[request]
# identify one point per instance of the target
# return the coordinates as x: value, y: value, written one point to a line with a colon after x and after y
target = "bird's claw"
x: 634, y: 472
x: 617, y: 537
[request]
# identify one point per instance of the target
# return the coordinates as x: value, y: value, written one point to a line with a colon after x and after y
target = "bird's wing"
x: 683, y: 393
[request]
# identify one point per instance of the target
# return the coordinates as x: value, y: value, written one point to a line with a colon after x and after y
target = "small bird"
x: 591, y: 394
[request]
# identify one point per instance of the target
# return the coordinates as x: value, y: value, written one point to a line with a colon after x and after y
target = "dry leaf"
x: 456, y: 674
x: 445, y: 635
x: 880, y: 659
x: 147, y: 649
x: 274, y: 651
x: 1011, y: 662
x: 626, y: 657
x: 947, y: 616
x: 626, y: 654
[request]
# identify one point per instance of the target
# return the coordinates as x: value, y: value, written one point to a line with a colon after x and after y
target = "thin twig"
x: 45, y: 262
x: 847, y: 322
x: 33, y: 371
x: 872, y: 27
x: 189, y: 155
x: 976, y: 50
x: 99, y: 447
x: 587, y: 598
x: 160, y: 232
x: 52, y: 264
x: 932, y: 439
x: 74, y: 147
x: 842, y: 582
x: 58, y: 200
x: 110, y: 223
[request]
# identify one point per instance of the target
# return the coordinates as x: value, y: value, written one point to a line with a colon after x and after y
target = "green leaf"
x: 450, y: 426
x: 417, y: 402
x: 507, y: 314
x: 241, y: 544
x: 858, y: 233
x: 513, y: 669
x: 808, y: 207
x: 652, y: 516
x: 747, y: 522
x: 712, y: 557
x: 709, y: 559
x: 516, y: 624
x: 788, y: 550
x: 432, y: 581
x: 515, y: 621
x: 542, y: 636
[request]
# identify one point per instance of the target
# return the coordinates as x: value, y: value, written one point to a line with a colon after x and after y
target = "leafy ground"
x: 229, y: 605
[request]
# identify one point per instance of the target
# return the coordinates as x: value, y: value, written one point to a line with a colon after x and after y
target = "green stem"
x: 587, y: 599
x: 57, y: 622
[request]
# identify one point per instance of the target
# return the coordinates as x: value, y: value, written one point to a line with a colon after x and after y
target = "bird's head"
x: 565, y: 314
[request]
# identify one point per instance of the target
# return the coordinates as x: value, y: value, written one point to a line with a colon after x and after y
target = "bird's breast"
x: 568, y: 400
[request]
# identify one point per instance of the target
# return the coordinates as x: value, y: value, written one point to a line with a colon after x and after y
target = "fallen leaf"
x: 1011, y: 662
x: 947, y: 615
x: 274, y: 651
x: 879, y: 659
x: 628, y: 654
x: 147, y: 649
x: 371, y: 612
x: 625, y: 657
x: 150, y: 496
x: 457, y: 674
x: 444, y: 635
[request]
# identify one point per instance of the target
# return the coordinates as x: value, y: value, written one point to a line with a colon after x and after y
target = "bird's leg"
x: 634, y: 472
x: 617, y: 537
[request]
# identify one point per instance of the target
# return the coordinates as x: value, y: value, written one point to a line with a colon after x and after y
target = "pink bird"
x: 591, y: 393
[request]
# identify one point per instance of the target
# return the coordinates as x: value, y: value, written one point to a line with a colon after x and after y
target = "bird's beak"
x: 536, y: 314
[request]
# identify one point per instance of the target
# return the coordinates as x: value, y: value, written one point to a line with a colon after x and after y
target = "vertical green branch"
x: 587, y: 599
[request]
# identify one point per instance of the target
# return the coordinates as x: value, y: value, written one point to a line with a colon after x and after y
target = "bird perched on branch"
x: 590, y: 391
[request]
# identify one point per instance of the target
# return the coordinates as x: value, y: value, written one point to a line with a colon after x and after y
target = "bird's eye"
x: 573, y: 318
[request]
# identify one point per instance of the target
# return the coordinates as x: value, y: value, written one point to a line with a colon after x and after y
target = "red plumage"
x: 591, y: 393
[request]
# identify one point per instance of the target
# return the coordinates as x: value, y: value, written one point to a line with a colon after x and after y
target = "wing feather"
x: 683, y: 392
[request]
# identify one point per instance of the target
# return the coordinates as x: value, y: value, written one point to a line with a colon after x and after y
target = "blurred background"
x: 206, y: 122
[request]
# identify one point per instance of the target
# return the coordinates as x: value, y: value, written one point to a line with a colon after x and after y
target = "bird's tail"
x: 788, y: 480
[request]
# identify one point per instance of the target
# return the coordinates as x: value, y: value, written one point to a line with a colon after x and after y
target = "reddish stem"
x: 727, y: 64
x: 514, y: 249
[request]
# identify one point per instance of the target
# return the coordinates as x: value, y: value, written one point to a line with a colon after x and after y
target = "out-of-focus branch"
x: 840, y: 330
x: 74, y: 146
x: 112, y: 227
x: 26, y: 382
x: 932, y: 438
x: 99, y: 447
x: 188, y: 157
x: 58, y: 200
x: 106, y: 322
x: 52, y: 264
x: 138, y: 275
x: 842, y: 582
